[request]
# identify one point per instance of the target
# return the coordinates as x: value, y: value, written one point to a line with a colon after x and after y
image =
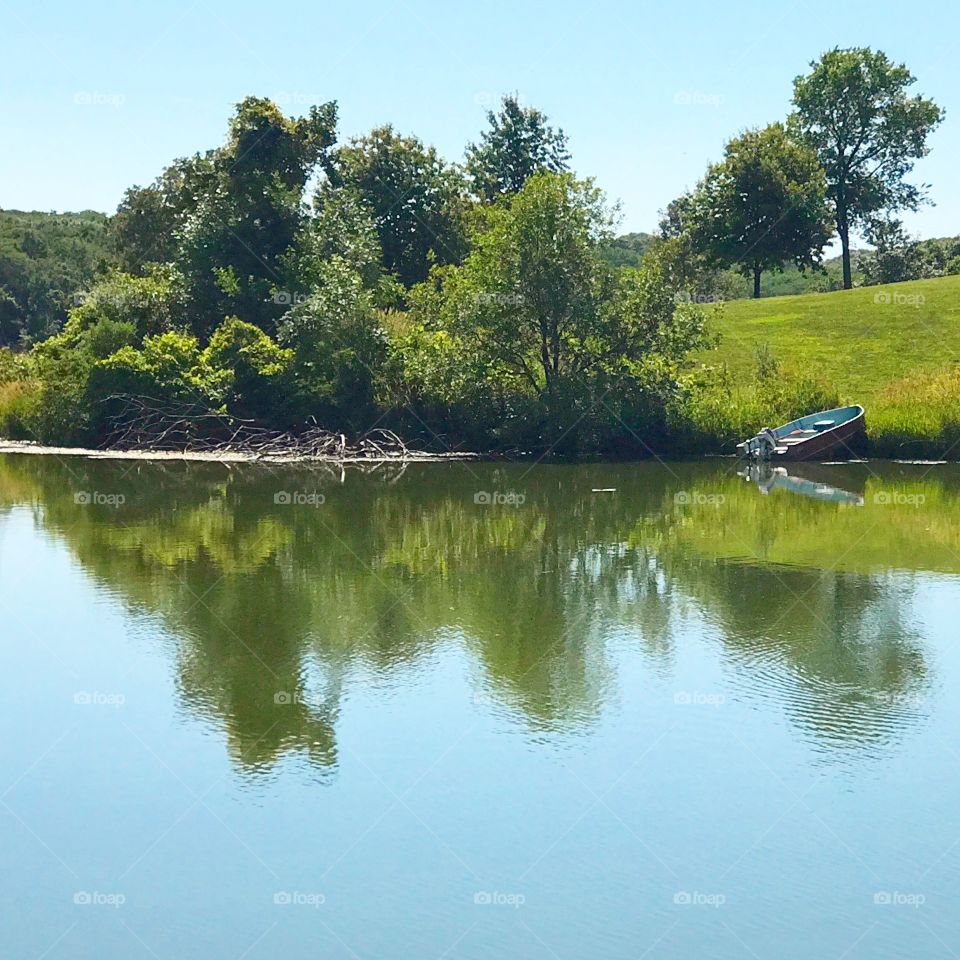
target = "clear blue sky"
x: 96, y: 96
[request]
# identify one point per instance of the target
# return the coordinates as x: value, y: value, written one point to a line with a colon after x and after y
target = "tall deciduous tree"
x: 762, y: 206
x: 518, y: 143
x: 534, y: 311
x: 228, y: 218
x: 145, y: 228
x: 853, y: 108
x: 415, y: 199
x: 235, y: 244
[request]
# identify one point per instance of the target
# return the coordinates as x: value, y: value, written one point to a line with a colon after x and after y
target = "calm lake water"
x: 476, y: 711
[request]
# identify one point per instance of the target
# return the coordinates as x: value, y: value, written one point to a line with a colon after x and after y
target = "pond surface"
x: 476, y: 711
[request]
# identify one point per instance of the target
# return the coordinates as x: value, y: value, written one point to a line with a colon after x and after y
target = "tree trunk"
x: 756, y: 281
x: 843, y: 229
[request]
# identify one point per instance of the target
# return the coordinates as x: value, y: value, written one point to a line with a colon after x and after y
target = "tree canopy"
x: 517, y: 144
x: 854, y: 110
x: 762, y: 206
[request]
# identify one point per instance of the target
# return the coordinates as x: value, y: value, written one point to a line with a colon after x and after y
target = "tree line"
x: 286, y: 277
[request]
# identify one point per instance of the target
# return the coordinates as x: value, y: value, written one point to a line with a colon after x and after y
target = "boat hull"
x: 827, y: 435
x: 839, y: 442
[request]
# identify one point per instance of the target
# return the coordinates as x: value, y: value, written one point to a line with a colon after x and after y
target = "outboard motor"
x: 762, y: 446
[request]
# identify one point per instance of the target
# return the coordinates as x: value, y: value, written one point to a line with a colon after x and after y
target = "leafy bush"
x: 168, y: 366
x: 338, y: 349
x: 13, y: 366
x: 151, y: 304
x: 258, y: 381
x: 18, y: 402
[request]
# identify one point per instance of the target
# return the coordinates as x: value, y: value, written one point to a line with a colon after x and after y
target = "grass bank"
x: 894, y: 348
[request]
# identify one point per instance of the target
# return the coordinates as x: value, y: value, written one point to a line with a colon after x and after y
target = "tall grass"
x: 18, y: 404
x: 918, y: 416
x: 719, y: 410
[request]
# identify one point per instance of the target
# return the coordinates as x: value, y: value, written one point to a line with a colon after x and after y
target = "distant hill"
x: 628, y: 249
x: 45, y: 259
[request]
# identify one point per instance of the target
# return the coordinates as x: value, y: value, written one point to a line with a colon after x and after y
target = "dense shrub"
x: 258, y: 381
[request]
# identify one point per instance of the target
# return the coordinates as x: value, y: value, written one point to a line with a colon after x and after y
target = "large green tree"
x: 228, y: 218
x: 854, y: 109
x: 535, y: 312
x: 415, y: 199
x: 146, y: 226
x: 764, y: 205
x: 517, y: 144
x: 235, y: 244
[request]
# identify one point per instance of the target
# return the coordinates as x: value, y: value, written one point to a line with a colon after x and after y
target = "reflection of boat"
x: 813, y: 437
x: 768, y: 478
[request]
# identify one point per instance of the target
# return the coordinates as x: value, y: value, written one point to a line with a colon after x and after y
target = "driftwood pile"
x: 143, y: 423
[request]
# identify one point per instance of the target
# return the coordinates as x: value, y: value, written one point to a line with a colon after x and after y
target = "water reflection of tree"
x: 270, y: 602
x: 853, y: 668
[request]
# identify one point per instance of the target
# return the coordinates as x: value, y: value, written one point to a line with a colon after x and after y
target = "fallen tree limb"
x: 146, y: 423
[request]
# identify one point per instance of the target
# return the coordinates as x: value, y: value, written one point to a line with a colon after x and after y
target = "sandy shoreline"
x: 224, y: 456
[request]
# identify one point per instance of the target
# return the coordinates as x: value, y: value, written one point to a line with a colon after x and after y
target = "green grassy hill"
x: 859, y: 341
